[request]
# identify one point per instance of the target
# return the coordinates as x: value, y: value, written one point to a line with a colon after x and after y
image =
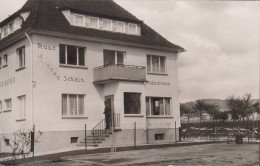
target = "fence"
x: 219, y: 133
x: 227, y: 124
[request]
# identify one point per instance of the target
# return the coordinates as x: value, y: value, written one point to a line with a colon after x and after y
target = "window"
x: 4, y: 60
x: 74, y: 140
x: 5, y: 31
x: 72, y: 105
x: 107, y: 25
x: 113, y: 57
x: 18, y: 23
x: 7, y: 142
x: 119, y: 26
x: 93, y: 22
x: 132, y: 29
x: 158, y: 106
x: 79, y: 20
x: 159, y: 136
x: 8, y: 104
x: 132, y: 103
x: 156, y: 64
x: 21, y: 57
x: 11, y: 27
x: 72, y: 55
x: 21, y: 107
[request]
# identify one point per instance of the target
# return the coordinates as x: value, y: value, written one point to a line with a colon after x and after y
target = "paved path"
x: 212, y: 154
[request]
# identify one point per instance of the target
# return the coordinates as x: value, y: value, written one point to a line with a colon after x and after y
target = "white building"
x: 61, y: 59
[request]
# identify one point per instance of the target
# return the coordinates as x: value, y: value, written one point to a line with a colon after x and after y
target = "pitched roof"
x: 46, y: 15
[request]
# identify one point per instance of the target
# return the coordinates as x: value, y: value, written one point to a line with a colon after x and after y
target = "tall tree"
x: 234, y: 106
x: 211, y: 110
x: 247, y: 110
x: 240, y: 108
x: 186, y: 111
x: 200, y: 107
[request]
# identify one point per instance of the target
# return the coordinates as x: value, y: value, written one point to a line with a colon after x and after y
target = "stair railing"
x: 100, y: 131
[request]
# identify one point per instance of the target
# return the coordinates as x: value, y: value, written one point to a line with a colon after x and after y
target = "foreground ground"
x: 210, y: 154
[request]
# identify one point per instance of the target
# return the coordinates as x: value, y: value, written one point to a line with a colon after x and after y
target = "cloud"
x: 222, y: 40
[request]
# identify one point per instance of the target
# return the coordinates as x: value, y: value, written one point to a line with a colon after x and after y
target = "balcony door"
x: 113, y: 57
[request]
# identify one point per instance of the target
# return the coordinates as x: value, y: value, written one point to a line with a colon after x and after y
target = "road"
x: 209, y: 154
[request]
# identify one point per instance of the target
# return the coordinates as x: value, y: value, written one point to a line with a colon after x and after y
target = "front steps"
x: 96, y: 138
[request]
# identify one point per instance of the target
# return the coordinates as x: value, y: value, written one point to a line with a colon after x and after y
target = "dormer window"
x: 119, y: 26
x: 11, y: 28
x: 79, y: 20
x: 132, y: 29
x: 18, y: 23
x: 102, y: 23
x: 93, y: 22
x: 5, y: 31
x: 107, y: 25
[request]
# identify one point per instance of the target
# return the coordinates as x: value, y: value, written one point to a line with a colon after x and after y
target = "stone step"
x: 91, y: 141
x: 89, y: 144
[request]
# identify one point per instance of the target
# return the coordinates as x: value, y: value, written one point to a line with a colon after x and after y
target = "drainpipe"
x: 178, y: 92
x: 33, y: 83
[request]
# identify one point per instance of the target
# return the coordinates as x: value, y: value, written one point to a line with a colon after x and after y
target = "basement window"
x: 159, y: 137
x: 7, y: 142
x: 74, y: 140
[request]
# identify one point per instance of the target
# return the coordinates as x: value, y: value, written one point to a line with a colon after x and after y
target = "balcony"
x: 108, y: 73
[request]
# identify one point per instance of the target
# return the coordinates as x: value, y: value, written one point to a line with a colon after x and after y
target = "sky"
x: 222, y: 39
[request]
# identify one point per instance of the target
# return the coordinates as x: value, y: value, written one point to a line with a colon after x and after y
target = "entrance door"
x: 109, y: 110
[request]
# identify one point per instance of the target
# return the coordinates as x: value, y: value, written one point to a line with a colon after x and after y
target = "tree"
x: 247, y: 110
x: 234, y: 105
x: 186, y: 111
x: 255, y: 107
x: 240, y: 108
x: 211, y: 110
x: 200, y: 107
x: 222, y: 116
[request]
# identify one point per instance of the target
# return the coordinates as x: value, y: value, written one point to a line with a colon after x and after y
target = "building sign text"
x: 7, y: 82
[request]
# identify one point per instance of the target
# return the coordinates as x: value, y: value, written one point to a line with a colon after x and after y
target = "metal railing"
x: 100, y: 131
x: 119, y: 72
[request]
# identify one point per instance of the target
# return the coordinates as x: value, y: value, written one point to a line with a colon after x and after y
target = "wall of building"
x: 52, y: 80
x: 15, y: 83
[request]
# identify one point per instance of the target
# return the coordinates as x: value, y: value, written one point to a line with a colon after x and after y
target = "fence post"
x: 32, y: 139
x: 175, y: 134
x: 85, y: 138
x: 134, y: 135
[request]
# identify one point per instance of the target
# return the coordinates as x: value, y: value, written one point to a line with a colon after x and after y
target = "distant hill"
x: 220, y: 103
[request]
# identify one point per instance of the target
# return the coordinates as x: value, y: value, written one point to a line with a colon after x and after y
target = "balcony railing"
x: 108, y: 73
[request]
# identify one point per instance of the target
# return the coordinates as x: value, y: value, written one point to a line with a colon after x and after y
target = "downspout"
x: 178, y: 93
x: 33, y: 83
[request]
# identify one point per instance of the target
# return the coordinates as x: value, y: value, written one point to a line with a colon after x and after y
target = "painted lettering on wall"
x: 7, y: 82
x: 52, y: 71
x: 50, y: 68
x: 161, y: 83
x: 44, y: 47
x: 73, y: 79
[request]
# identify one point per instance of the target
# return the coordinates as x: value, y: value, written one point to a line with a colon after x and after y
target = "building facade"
x: 61, y: 61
